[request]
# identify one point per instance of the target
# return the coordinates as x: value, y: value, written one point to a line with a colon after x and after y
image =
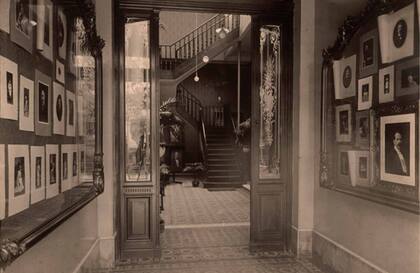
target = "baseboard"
x: 333, y: 257
x: 90, y: 255
x: 301, y: 241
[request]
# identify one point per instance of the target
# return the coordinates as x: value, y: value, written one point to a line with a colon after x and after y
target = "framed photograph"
x: 66, y: 167
x: 364, y: 93
x: 9, y: 89
x: 59, y: 71
x: 82, y: 161
x: 345, y: 77
x: 52, y: 164
x: 44, y: 42
x: 343, y: 124
x: 61, y: 32
x: 386, y: 84
x: 26, y: 104
x: 5, y: 16
x: 343, y: 164
x: 43, y: 98
x: 58, y: 109
x: 368, y: 56
x: 19, y: 178
x: 71, y: 113
x: 396, y: 33
x: 362, y: 129
x: 21, y: 23
x: 408, y: 78
x: 71, y: 48
x: 37, y: 174
x: 75, y: 166
x: 2, y: 182
x: 360, y: 168
x: 398, y: 149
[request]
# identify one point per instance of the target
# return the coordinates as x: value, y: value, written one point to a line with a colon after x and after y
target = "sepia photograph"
x: 43, y: 104
x: 65, y: 165
x: 386, y: 84
x: 368, y: 55
x: 398, y: 146
x: 71, y: 114
x: 408, y: 78
x: 19, y: 181
x: 44, y: 28
x: 20, y: 21
x: 59, y: 121
x: 343, y: 117
x: 362, y: 129
x: 43, y: 107
x: 26, y: 104
x: 75, y: 167
x: 19, y: 177
x: 59, y: 72
x: 345, y: 77
x: 37, y: 174
x: 8, y: 89
x: 52, y: 165
x: 365, y: 93
x: 61, y: 32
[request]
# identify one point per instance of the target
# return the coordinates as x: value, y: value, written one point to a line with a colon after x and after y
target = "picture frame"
x: 18, y: 179
x: 71, y: 113
x: 59, y: 109
x: 26, y: 104
x: 66, y: 167
x: 44, y: 42
x: 386, y: 84
x: 345, y: 77
x: 343, y: 165
x: 360, y: 168
x: 408, y: 78
x: 363, y: 129
x: 365, y: 93
x: 8, y: 89
x: 2, y: 182
x: 343, y: 117
x: 61, y: 30
x: 43, y: 102
x: 37, y: 174
x: 82, y: 162
x: 368, y: 53
x: 75, y: 165
x: 60, y: 72
x: 21, y: 28
x: 5, y: 16
x: 398, y: 156
x: 52, y: 169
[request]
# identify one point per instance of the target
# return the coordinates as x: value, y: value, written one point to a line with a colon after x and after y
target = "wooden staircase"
x: 222, y: 169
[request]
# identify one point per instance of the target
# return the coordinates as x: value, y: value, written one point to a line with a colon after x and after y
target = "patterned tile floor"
x: 213, y: 239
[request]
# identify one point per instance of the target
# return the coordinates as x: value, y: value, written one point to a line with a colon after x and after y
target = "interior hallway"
x: 208, y: 231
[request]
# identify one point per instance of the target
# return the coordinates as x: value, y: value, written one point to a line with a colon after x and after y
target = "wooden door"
x: 271, y: 132
x: 138, y: 111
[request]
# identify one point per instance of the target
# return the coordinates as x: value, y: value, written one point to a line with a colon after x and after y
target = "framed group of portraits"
x: 370, y: 107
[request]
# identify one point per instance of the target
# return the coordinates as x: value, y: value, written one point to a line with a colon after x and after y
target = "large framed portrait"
x: 5, y: 16
x: 19, y: 177
x: 37, y: 174
x: 398, y: 146
x: 343, y: 118
x: 365, y: 93
x: 58, y: 109
x: 368, y: 53
x: 2, y: 182
x: 8, y: 89
x: 71, y: 113
x: 44, y: 42
x: 408, y: 78
x: 43, y: 98
x: 61, y: 32
x: 386, y: 84
x: 345, y: 77
x: 21, y: 23
x: 52, y: 165
x: 26, y: 104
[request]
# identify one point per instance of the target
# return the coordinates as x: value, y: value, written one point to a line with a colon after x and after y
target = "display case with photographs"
x: 370, y: 110
x: 50, y: 119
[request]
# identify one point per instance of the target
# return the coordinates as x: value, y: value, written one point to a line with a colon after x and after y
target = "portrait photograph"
x: 364, y: 93
x: 398, y: 149
x: 360, y: 168
x: 44, y: 41
x: 9, y: 89
x: 59, y: 71
x: 71, y: 114
x: 21, y: 23
x: 343, y: 117
x: 37, y: 174
x: 345, y: 77
x: 66, y: 166
x: 75, y: 167
x: 368, y: 55
x: 386, y: 84
x: 61, y: 33
x: 26, y: 104
x: 52, y: 165
x: 58, y: 109
x: 43, y: 101
x: 2, y: 182
x: 19, y: 178
x: 362, y: 129
x: 396, y: 34
x: 408, y: 78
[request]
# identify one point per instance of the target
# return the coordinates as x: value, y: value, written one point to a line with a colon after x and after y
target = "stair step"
x: 220, y: 151
x: 213, y: 173
x: 223, y: 178
x: 219, y: 145
x: 225, y: 185
x: 216, y: 166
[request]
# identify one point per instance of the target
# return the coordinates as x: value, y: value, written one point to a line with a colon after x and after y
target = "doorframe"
x: 283, y: 14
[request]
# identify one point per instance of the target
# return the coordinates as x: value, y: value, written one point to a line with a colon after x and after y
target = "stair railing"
x: 189, y: 102
x: 214, y: 115
x: 203, y: 139
x: 196, y: 41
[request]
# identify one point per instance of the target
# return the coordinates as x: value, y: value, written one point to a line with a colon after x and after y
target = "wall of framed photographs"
x: 370, y: 106
x: 48, y: 105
